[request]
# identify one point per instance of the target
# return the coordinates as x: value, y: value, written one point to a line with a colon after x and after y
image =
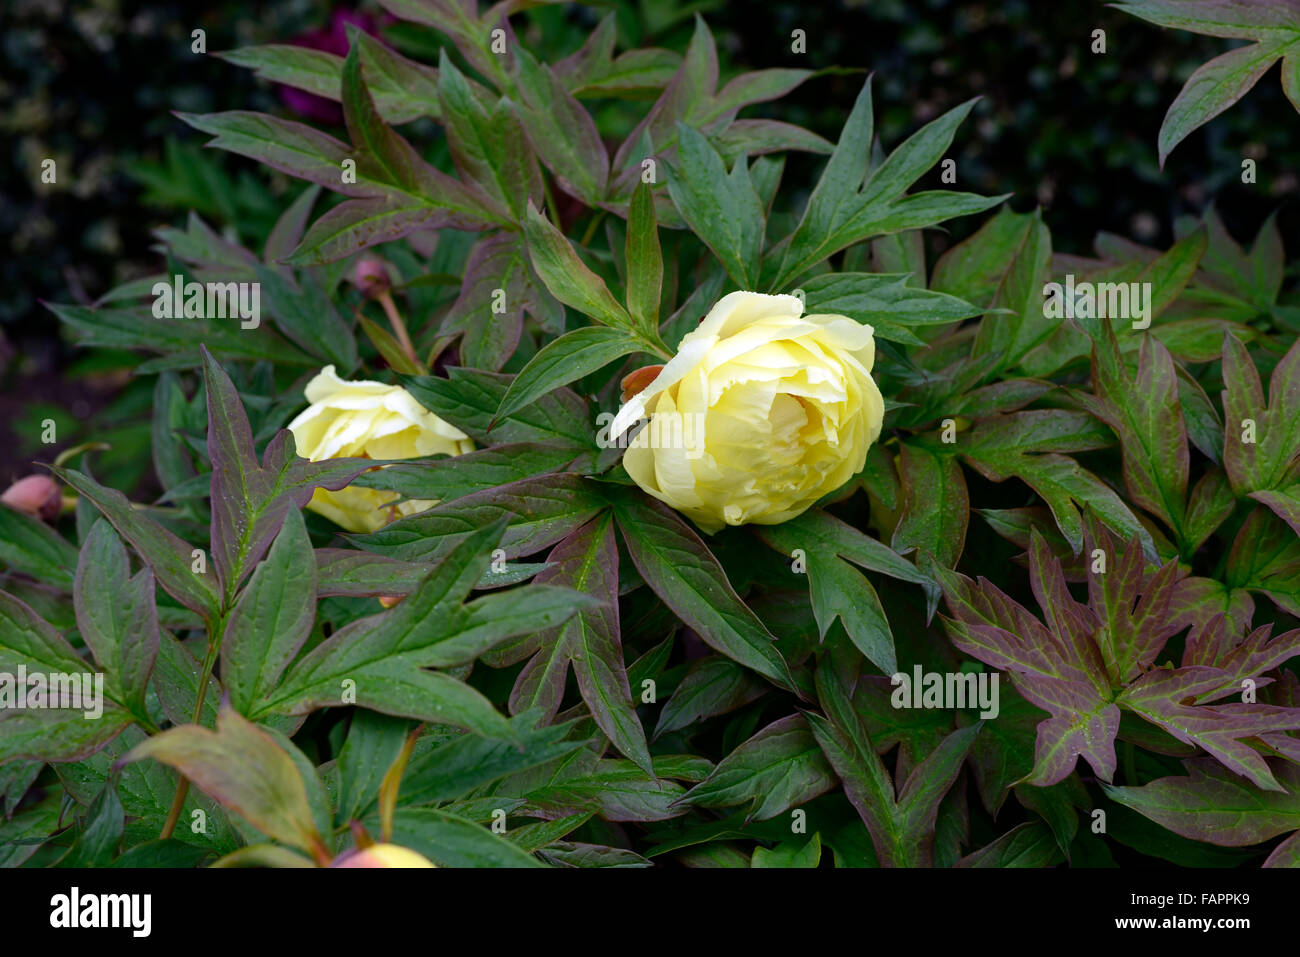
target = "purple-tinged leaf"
x: 383, y: 657
x: 1215, y: 86
x: 539, y: 512
x: 1163, y: 697
x: 681, y: 570
x: 712, y: 687
x: 936, y: 507
x: 293, y: 148
x: 1241, y: 19
x: 497, y: 267
x: 272, y: 618
x: 780, y: 767
x: 1144, y: 411
x: 245, y: 770
x: 1261, y: 442
x: 1284, y: 502
x: 586, y: 561
x: 116, y: 614
x: 1265, y: 557
x: 250, y: 501
x: 1060, y: 670
x: 560, y: 130
x: 1216, y: 806
x: 1133, y: 605
x: 170, y: 558
x: 901, y: 820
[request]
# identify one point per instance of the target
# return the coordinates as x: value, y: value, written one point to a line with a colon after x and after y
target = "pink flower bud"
x: 371, y: 276
x: 37, y: 495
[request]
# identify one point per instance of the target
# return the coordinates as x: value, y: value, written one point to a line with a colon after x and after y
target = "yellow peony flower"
x: 760, y: 413
x: 368, y: 420
x: 382, y: 855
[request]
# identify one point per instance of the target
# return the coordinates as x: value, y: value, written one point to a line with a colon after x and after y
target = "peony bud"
x: 382, y: 855
x: 371, y: 276
x: 635, y: 382
x: 36, y: 495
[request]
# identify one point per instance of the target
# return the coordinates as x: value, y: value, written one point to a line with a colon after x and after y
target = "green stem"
x: 550, y: 201
x: 183, y: 785
x: 591, y: 227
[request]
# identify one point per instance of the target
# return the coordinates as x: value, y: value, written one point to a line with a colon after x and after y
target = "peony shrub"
x: 554, y: 485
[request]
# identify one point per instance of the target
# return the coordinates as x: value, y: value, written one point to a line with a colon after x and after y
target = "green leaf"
x: 1217, y: 85
x: 48, y: 734
x: 587, y: 562
x: 843, y: 210
x: 245, y: 770
x: 686, y: 576
x: 1262, y: 441
x: 382, y: 659
x: 373, y: 743
x: 389, y: 348
x: 936, y: 506
x: 790, y: 854
x: 564, y: 360
x: 452, y: 841
x: 722, y: 209
x: 887, y: 303
x: 178, y: 340
x: 116, y: 614
x: 560, y: 130
x: 539, y: 511
x: 567, y: 276
x: 827, y: 546
x: 777, y: 769
x: 453, y: 476
x: 713, y: 686
x: 30, y: 546
x: 169, y: 557
x: 487, y: 143
x: 471, y: 398
x: 1031, y: 844
x: 272, y: 618
x: 1011, y: 334
x: 920, y: 151
x: 101, y: 831
x: 645, y: 264
x: 1028, y: 445
x: 468, y: 762
x: 617, y: 790
x: 1145, y: 412
x: 305, y: 313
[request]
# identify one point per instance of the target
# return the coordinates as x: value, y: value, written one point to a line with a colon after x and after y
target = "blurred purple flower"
x: 331, y: 39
